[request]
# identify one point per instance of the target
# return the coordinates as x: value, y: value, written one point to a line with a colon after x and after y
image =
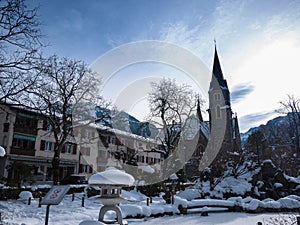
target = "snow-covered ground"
x: 68, y: 212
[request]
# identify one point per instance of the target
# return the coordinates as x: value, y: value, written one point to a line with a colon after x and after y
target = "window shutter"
x: 91, y: 169
x: 45, y: 124
x: 80, y: 168
x: 63, y: 149
x: 43, y: 143
x: 74, y: 149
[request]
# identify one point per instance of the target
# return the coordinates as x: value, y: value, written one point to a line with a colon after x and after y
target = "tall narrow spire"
x: 217, y: 71
x: 199, y: 114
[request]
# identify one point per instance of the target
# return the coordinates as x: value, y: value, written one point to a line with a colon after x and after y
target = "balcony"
x: 25, y: 130
x: 21, y: 151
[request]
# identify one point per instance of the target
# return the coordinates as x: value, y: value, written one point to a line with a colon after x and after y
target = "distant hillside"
x: 125, y: 122
x: 277, y: 131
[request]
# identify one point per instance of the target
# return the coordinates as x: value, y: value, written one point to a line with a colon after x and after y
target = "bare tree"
x: 170, y: 107
x: 19, y: 47
x: 66, y: 83
x: 291, y: 107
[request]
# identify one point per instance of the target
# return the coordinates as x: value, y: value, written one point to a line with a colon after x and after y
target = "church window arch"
x: 218, y: 112
x: 217, y: 96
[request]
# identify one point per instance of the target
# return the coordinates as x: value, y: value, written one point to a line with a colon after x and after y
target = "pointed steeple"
x: 199, y: 114
x: 217, y: 71
x: 218, y: 81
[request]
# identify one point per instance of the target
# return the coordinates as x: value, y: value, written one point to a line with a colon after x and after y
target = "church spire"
x: 217, y: 71
x: 199, y: 114
x: 218, y: 81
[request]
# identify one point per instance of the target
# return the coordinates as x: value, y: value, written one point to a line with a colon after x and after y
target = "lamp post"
x: 111, y: 181
x: 173, y: 179
x: 2, y: 151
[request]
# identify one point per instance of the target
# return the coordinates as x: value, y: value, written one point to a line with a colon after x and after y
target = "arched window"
x: 218, y: 111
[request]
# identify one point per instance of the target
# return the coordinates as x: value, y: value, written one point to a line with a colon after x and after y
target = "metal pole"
x: 82, y: 202
x: 47, y: 214
x: 40, y: 199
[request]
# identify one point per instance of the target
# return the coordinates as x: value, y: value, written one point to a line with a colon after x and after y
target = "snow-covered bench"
x: 207, y: 203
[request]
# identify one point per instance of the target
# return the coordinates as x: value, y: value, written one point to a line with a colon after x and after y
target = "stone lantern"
x: 111, y: 182
x: 2, y: 151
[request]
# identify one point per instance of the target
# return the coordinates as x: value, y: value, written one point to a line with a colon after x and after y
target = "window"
x: 23, y: 143
x: 5, y: 127
x: 102, y: 154
x: 218, y: 111
x: 49, y: 146
x: 85, y: 168
x: 217, y: 96
x: 70, y: 148
x: 4, y: 143
x: 49, y: 128
x: 85, y: 151
x: 113, y: 140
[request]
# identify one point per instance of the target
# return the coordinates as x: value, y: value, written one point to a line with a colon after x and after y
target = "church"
x: 219, y: 139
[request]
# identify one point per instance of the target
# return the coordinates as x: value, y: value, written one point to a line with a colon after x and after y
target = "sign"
x: 55, y: 195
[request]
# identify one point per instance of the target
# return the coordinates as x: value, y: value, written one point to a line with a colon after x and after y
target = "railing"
x: 21, y: 151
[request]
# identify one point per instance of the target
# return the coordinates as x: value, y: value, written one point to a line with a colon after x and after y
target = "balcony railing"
x: 21, y: 151
x: 25, y: 130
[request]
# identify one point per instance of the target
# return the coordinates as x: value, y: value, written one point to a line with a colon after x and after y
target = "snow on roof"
x: 148, y: 169
x: 225, y: 107
x: 173, y: 176
x: 111, y: 176
x: 204, y: 127
x: 121, y: 132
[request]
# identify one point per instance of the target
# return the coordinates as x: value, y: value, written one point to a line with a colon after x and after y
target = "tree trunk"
x: 55, y: 166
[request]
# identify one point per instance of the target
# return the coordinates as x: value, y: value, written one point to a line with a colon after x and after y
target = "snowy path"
x: 70, y: 213
x: 215, y: 218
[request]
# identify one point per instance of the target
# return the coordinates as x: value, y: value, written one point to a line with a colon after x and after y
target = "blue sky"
x: 258, y: 41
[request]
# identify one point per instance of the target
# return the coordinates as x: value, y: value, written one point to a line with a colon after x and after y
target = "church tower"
x: 221, y: 116
x: 219, y: 138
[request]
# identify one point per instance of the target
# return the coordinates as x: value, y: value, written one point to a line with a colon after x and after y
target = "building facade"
x: 29, y: 141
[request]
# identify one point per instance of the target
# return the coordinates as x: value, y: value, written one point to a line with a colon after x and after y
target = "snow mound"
x: 25, y: 195
x: 289, y: 203
x: 254, y: 204
x: 189, y: 194
x: 133, y: 195
x: 112, y: 176
x: 91, y: 222
x: 134, y: 210
x: 211, y: 202
x: 180, y: 201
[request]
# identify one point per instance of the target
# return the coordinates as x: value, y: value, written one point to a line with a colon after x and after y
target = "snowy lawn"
x: 17, y: 212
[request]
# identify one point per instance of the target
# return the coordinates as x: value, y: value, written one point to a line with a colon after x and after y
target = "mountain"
x: 125, y: 122
x: 278, y: 131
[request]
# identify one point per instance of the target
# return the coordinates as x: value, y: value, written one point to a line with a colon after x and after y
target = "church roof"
x: 217, y: 71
